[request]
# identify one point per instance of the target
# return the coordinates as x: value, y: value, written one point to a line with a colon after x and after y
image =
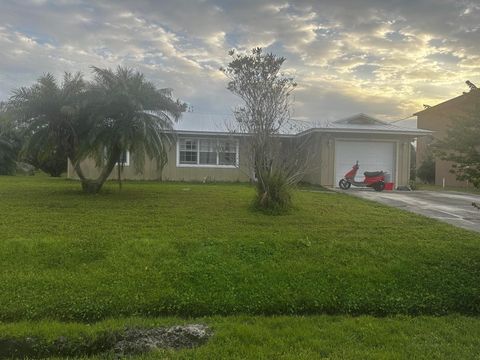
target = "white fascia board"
x: 412, y: 132
x: 219, y: 133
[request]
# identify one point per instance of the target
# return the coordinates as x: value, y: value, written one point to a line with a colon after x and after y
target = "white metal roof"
x: 197, y: 121
x: 356, y: 124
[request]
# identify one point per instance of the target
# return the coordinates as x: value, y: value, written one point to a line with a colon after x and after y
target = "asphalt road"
x: 452, y: 207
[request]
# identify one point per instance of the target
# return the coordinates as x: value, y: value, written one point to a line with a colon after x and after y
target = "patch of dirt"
x: 121, y: 343
x: 135, y: 341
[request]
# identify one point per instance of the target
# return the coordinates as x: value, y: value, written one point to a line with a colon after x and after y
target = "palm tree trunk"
x: 78, y: 170
x: 119, y: 174
x: 94, y: 186
x: 86, y: 183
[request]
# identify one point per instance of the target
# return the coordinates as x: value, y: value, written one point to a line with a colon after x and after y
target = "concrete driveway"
x: 452, y: 207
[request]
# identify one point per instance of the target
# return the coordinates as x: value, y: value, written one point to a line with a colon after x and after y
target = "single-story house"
x: 332, y: 150
x: 438, y: 118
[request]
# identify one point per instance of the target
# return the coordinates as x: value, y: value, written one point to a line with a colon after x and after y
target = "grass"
x: 291, y: 337
x: 191, y: 250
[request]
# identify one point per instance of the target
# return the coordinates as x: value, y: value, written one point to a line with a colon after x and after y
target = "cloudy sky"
x: 385, y: 58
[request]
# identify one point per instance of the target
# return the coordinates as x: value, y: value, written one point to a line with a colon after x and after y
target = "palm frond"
x: 137, y: 116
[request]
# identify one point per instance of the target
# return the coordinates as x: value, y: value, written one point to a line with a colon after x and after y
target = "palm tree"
x: 10, y: 142
x: 51, y: 116
x: 8, y: 156
x: 128, y: 113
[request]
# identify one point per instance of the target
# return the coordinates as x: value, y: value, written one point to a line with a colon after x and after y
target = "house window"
x: 188, y: 151
x: 227, y: 152
x: 125, y: 158
x: 207, y: 152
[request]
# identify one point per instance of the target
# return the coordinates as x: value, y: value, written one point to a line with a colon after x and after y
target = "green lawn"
x: 191, y: 250
x: 292, y: 337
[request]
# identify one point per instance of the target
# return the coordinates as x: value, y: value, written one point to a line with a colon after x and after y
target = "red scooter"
x: 375, y: 179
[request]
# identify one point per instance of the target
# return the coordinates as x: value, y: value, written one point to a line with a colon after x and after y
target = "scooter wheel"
x: 344, y: 184
x: 379, y: 186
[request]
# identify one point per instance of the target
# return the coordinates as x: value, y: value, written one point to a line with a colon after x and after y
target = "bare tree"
x: 266, y: 92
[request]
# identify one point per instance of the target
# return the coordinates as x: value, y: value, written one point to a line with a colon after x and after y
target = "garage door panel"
x: 371, y: 156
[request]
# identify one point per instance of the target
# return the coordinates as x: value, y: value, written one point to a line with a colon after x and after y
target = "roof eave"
x: 413, y: 132
x: 219, y: 133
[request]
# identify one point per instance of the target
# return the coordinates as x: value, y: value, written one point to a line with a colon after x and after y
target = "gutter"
x: 413, y: 132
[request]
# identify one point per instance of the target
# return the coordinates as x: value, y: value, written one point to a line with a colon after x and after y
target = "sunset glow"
x: 384, y: 58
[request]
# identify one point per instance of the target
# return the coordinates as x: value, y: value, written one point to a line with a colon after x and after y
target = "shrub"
x: 10, y: 143
x: 7, y: 157
x: 274, y: 195
x: 412, y: 185
x: 426, y: 171
x: 52, y: 162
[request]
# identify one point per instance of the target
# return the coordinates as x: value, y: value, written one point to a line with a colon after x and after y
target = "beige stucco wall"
x: 438, y: 119
x: 310, y: 157
x: 241, y: 173
x: 403, y: 159
x: 173, y: 173
x: 318, y: 153
x: 89, y: 169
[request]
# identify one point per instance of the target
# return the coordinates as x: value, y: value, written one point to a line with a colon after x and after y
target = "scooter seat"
x: 373, y: 173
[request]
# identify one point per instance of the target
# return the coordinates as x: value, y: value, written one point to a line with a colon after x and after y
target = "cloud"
x: 381, y: 57
x: 445, y: 58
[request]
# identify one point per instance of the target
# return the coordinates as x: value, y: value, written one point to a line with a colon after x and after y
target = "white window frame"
x: 127, y: 162
x: 198, y: 165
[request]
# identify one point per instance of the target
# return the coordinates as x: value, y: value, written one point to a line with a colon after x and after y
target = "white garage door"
x: 371, y: 156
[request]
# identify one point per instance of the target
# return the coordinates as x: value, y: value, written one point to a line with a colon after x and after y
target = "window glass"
x: 227, y: 152
x: 188, y: 157
x: 227, y: 146
x: 227, y: 159
x: 125, y: 158
x: 188, y: 151
x: 208, y: 152
x: 188, y: 145
x: 208, y: 158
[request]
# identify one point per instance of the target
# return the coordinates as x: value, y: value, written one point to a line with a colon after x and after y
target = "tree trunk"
x: 78, y: 170
x: 94, y: 186
x: 91, y: 186
x: 119, y: 175
x: 88, y: 185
